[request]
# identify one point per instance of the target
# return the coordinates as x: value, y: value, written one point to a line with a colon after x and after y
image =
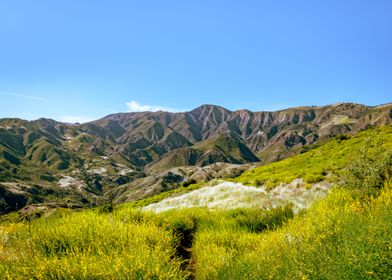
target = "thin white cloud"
x: 29, y: 96
x: 135, y: 106
x: 76, y: 119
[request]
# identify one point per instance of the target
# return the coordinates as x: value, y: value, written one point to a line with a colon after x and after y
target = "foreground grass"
x: 341, y: 237
x: 125, y: 244
x: 121, y: 245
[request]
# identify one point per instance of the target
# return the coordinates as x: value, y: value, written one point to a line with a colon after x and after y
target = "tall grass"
x: 124, y: 245
x: 341, y: 237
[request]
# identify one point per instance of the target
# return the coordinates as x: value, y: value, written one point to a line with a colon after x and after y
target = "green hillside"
x: 344, y: 236
x: 317, y: 163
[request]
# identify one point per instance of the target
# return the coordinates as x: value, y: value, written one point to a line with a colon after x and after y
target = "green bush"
x: 256, y: 220
x: 107, y: 208
x: 189, y: 182
x: 369, y: 169
x: 342, y: 137
x: 259, y: 182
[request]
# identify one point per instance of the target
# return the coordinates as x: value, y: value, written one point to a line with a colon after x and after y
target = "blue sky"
x: 80, y: 60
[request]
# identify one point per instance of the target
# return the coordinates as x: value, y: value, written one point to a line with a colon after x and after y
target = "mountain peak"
x: 210, y: 107
x: 205, y: 106
x: 208, y: 111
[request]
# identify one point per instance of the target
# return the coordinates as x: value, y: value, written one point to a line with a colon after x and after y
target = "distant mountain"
x: 93, y: 158
x: 142, y: 138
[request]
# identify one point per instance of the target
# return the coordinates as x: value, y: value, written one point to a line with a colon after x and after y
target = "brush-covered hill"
x: 343, y: 235
x: 47, y: 161
x: 268, y: 135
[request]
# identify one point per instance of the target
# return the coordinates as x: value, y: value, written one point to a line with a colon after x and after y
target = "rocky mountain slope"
x: 144, y: 138
x: 46, y: 161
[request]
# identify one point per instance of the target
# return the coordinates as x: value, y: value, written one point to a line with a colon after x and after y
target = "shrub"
x: 259, y: 182
x: 312, y: 179
x: 256, y: 220
x: 107, y: 208
x: 342, y: 137
x: 189, y: 182
x: 369, y: 169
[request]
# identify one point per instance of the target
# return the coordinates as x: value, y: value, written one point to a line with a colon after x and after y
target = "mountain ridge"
x: 142, y: 137
x: 119, y: 148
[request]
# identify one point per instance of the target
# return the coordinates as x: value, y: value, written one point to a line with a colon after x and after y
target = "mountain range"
x: 124, y: 155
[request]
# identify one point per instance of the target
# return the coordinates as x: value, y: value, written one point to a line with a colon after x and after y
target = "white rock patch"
x: 68, y: 181
x: 125, y: 171
x: 99, y: 171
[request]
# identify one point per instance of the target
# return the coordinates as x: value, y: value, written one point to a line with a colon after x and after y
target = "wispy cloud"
x: 29, y: 96
x: 76, y: 119
x: 135, y: 106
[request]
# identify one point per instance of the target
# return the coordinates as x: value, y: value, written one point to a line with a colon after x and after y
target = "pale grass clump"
x: 229, y: 195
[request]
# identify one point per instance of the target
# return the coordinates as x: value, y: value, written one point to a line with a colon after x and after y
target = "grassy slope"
x: 315, y: 164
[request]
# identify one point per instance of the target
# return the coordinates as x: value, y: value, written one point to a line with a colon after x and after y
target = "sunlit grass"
x: 340, y: 237
x: 126, y: 244
x: 122, y: 245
